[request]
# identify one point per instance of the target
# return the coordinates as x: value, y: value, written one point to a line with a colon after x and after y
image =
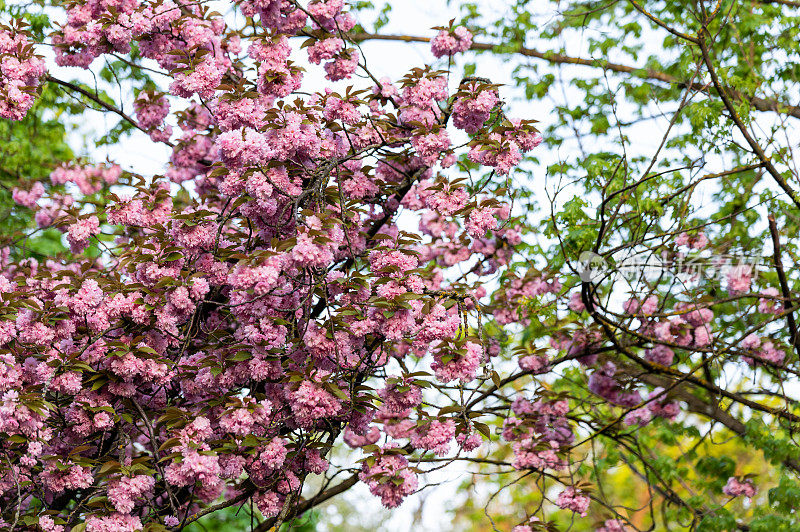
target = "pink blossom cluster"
x: 696, y: 241
x: 461, y: 365
x: 480, y: 220
x: 688, y: 325
x: 658, y: 405
x: 451, y: 41
x: 736, y: 487
x: 434, y: 436
x: 519, y: 290
x: 660, y: 354
x: 89, y: 179
x: 613, y: 525
x: 20, y: 73
x: 505, y: 148
x: 740, y: 277
x: 602, y: 382
x: 575, y: 500
x: 533, y: 522
x: 79, y: 233
x: 28, y: 198
x: 151, y: 110
x: 325, y: 49
x: 648, y: 307
x: 473, y: 105
x: 769, y: 302
x: 389, y: 477
x: 761, y: 351
x: 578, y: 344
x: 124, y: 493
x: 539, y: 432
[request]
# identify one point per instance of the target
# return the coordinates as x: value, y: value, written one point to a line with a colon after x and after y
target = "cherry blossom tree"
x: 358, y: 265
x: 220, y: 342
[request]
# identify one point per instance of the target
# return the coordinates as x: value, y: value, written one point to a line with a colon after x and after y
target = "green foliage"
x: 29, y: 150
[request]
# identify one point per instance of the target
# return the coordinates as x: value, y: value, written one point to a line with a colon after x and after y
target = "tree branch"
x: 101, y: 103
x: 755, y: 146
x: 306, y: 505
x: 760, y: 104
x: 787, y: 303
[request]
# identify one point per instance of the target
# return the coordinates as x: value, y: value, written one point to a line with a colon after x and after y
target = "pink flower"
x: 389, y: 477
x: 343, y: 66
x: 20, y: 74
x: 324, y: 50
x: 736, y: 487
x: 123, y: 493
x: 431, y: 145
x: 770, y: 302
x: 312, y: 404
x: 115, y: 522
x: 451, y: 42
x: 434, y: 436
x: 646, y: 308
x: 202, y: 80
x: 660, y: 354
x: 572, y: 499
x: 740, y: 278
x: 471, y: 111
x: 448, y: 200
x: 481, y: 220
x: 28, y: 198
x: 79, y: 233
x: 462, y: 365
x: 576, y: 302
x: 613, y: 525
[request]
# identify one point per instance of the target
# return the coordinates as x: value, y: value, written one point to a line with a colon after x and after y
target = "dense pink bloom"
x: 766, y: 352
x: 769, y: 303
x: 324, y: 50
x: 471, y: 110
x: 533, y: 363
x: 462, y: 366
x: 203, y: 80
x: 20, y: 73
x: 572, y: 499
x: 739, y: 279
x: 343, y: 65
x: 311, y: 404
x: 660, y: 354
x: 603, y: 383
x: 89, y: 179
x: 736, y: 487
x: 505, y: 151
x: 151, y: 110
x: 451, y: 42
x: 434, y: 436
x: 400, y: 395
x: 431, y: 145
x: 613, y: 525
x: 115, y: 522
x: 481, y: 220
x: 646, y: 308
x: 124, y: 493
x: 389, y: 478
x: 576, y: 303
x: 448, y: 200
x: 28, y: 198
x: 80, y: 232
